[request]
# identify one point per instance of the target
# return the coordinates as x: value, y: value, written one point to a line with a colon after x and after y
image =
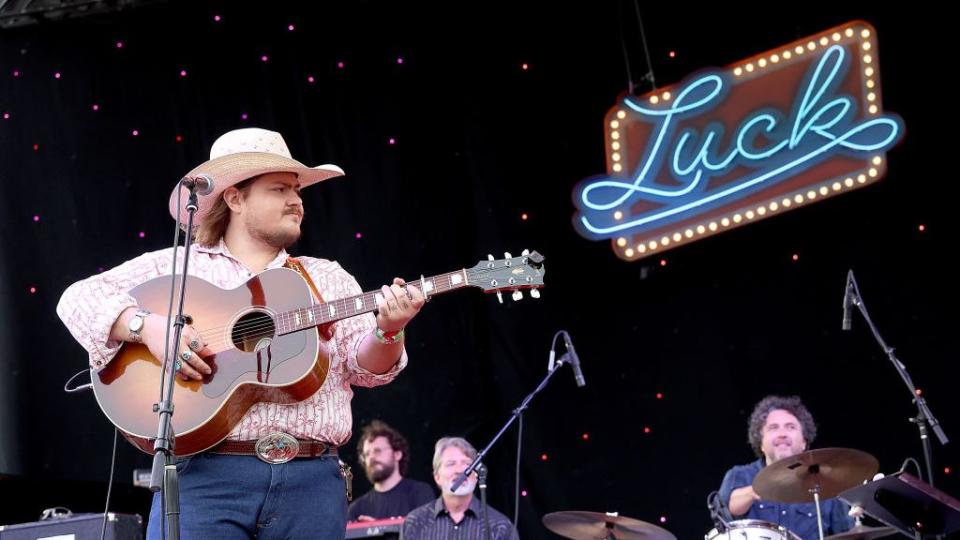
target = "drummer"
x: 780, y: 427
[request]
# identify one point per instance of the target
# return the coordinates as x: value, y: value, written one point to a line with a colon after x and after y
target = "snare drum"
x: 751, y: 529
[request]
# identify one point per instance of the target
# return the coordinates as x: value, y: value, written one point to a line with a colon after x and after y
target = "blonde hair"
x: 214, y: 224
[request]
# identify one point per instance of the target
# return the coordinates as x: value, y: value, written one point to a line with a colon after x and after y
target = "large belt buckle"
x: 277, y: 448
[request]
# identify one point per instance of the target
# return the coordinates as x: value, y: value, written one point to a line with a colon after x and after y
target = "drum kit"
x: 807, y: 477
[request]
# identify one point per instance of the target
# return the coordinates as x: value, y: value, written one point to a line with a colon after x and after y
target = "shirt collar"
x: 439, y: 508
x: 221, y: 249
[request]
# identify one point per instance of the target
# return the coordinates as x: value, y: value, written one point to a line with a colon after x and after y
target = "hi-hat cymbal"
x: 861, y: 532
x: 792, y: 479
x: 598, y: 526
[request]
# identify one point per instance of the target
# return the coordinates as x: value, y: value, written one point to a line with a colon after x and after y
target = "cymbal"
x: 791, y: 479
x: 598, y: 526
x: 861, y: 532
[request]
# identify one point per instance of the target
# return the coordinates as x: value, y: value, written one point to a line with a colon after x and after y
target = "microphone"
x: 202, y: 183
x: 574, y: 360
x: 718, y: 512
x: 847, y: 301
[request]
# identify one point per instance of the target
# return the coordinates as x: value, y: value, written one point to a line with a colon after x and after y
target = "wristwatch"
x: 136, y: 325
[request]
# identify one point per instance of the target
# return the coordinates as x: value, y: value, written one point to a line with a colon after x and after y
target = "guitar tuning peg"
x: 525, y: 253
x: 534, y: 293
x: 489, y: 257
x: 517, y: 296
x: 507, y: 255
x: 499, y: 297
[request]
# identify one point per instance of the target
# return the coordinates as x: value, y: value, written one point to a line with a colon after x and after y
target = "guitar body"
x: 251, y: 363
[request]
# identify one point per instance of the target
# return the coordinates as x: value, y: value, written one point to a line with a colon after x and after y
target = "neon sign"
x: 731, y: 146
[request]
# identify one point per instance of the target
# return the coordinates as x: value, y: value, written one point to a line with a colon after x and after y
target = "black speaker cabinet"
x: 77, y: 527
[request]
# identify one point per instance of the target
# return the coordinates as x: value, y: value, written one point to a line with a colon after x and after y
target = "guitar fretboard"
x: 307, y: 317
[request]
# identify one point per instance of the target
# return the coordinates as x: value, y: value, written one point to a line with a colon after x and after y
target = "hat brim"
x: 232, y: 169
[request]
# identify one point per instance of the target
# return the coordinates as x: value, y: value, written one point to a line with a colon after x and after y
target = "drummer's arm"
x: 741, y: 499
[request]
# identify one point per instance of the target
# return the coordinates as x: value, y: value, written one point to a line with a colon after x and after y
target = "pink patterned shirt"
x: 90, y: 307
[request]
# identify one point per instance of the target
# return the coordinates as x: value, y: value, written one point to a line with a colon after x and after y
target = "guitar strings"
x: 264, y: 326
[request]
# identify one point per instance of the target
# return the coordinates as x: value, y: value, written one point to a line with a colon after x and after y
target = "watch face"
x: 136, y: 323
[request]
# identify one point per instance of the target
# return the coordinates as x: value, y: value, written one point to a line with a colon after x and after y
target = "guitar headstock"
x: 509, y: 274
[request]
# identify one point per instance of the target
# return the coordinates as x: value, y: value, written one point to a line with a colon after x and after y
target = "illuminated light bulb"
x: 618, y: 215
x: 824, y: 190
x: 688, y: 233
x: 749, y: 67
x: 652, y: 245
x: 811, y: 195
x: 738, y: 71
x: 836, y: 186
x: 654, y: 100
x: 664, y: 241
x: 873, y: 109
x: 866, y: 45
x: 617, y: 167
x: 621, y: 114
x: 615, y: 124
x: 873, y: 172
x: 677, y: 236
x: 725, y: 222
x: 622, y: 242
x: 848, y: 182
x: 877, y: 160
x: 701, y: 229
x: 737, y: 218
x: 615, y: 156
x: 713, y: 225
x: 762, y: 210
x: 749, y: 214
x: 628, y: 252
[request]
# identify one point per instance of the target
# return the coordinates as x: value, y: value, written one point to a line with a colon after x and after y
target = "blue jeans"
x: 240, y: 497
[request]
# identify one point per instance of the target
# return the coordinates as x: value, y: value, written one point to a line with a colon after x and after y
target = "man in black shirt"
x: 384, y: 454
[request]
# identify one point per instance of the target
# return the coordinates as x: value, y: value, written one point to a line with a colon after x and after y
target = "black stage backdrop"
x: 478, y: 141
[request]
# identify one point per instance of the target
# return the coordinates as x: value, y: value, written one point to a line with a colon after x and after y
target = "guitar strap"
x: 326, y: 330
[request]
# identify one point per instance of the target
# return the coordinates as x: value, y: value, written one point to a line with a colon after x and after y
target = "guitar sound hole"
x: 253, y: 331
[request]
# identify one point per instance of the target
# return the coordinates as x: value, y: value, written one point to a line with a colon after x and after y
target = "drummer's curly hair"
x: 792, y: 405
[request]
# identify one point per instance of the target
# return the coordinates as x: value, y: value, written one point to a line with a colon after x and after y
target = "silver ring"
x: 177, y: 365
x: 185, y: 355
x: 195, y: 344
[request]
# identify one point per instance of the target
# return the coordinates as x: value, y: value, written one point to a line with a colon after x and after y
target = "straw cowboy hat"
x: 241, y: 154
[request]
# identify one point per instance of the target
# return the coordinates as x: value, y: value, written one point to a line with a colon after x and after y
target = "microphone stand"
x: 462, y: 477
x: 924, y: 417
x: 163, y: 476
x: 482, y: 482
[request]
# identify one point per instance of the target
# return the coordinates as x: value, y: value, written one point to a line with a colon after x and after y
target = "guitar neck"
x: 303, y: 318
